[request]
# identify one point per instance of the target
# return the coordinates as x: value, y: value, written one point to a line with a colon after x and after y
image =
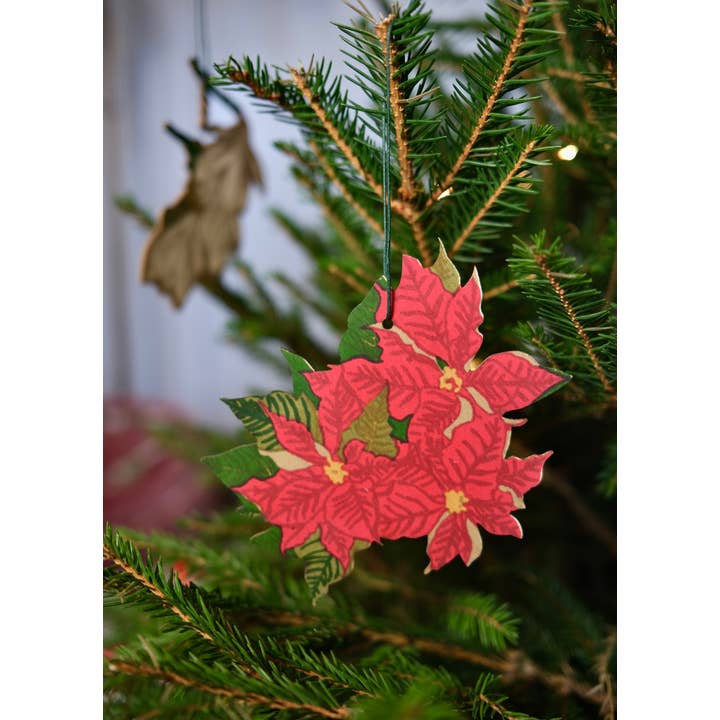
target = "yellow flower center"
x: 450, y: 380
x: 455, y: 501
x: 335, y: 471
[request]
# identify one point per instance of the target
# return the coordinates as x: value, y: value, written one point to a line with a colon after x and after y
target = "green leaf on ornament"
x: 250, y: 411
x: 321, y: 568
x: 269, y: 538
x: 358, y: 340
x: 236, y: 466
x: 298, y: 367
x: 400, y: 428
x: 373, y: 428
x: 445, y: 270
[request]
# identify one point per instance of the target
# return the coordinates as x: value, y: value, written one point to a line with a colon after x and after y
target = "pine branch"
x: 505, y: 287
x: 560, y: 292
x: 490, y: 202
x: 497, y: 88
x: 348, y: 279
x: 332, y: 175
x: 407, y: 175
x: 407, y: 189
x: 300, y: 78
x: 577, y: 329
x: 110, y: 555
x: 243, y: 697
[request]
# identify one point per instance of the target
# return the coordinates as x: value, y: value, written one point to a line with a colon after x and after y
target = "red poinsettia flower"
x: 430, y: 350
x: 457, y: 484
x: 321, y: 487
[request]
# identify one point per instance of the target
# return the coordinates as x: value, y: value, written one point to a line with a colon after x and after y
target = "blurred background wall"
x: 150, y: 349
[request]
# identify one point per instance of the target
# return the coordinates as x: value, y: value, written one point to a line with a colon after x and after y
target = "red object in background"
x: 145, y: 486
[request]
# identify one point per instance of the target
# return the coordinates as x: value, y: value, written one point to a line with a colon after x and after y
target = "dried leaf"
x: 196, y: 236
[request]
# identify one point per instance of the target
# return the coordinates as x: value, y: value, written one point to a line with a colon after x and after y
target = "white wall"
x: 151, y: 350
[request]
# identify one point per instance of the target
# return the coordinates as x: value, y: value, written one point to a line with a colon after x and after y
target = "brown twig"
x: 553, y: 95
x: 108, y: 554
x: 241, y: 696
x: 589, y: 519
x: 459, y: 242
x: 612, y: 281
x: 560, y: 292
x: 499, y: 709
x: 514, y: 665
x: 301, y: 81
x: 332, y: 175
x: 407, y: 182
x: 348, y: 239
x: 501, y: 289
x: 606, y: 681
x: 577, y: 77
x: 242, y: 77
x: 524, y: 11
x: 570, y: 61
x: 348, y: 279
x: 407, y: 174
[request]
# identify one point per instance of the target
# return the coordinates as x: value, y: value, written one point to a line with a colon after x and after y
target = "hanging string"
x: 387, y: 216
x: 201, y: 44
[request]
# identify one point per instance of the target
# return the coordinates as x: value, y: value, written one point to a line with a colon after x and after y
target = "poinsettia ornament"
x: 429, y: 353
x: 405, y: 437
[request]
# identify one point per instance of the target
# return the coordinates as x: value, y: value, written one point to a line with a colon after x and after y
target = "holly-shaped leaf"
x: 372, y: 427
x: 250, y: 411
x: 298, y: 367
x: 323, y: 569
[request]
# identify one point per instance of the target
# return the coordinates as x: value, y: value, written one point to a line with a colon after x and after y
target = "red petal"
x: 512, y: 380
x: 337, y: 543
x: 367, y: 379
x: 464, y: 317
x: 340, y: 402
x: 521, y: 474
x: 473, y: 456
x: 352, y: 509
x: 259, y: 492
x: 294, y: 535
x: 420, y: 307
x: 441, y: 323
x: 407, y: 373
x: 290, y: 498
x: 294, y: 437
x: 494, y: 514
x: 410, y: 509
x: 450, y: 539
x: 438, y: 410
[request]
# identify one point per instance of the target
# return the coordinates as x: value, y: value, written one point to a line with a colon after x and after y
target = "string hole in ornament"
x: 387, y: 324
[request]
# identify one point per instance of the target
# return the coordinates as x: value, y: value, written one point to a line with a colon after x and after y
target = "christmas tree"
x: 501, y: 160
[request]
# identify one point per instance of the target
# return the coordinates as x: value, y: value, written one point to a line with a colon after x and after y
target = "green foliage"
x: 298, y: 366
x: 575, y: 325
x: 359, y: 340
x: 476, y: 143
x: 236, y: 466
x: 483, y: 618
x: 372, y: 427
x: 251, y: 411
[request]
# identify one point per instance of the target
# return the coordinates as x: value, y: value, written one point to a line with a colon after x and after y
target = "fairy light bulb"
x: 568, y: 152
